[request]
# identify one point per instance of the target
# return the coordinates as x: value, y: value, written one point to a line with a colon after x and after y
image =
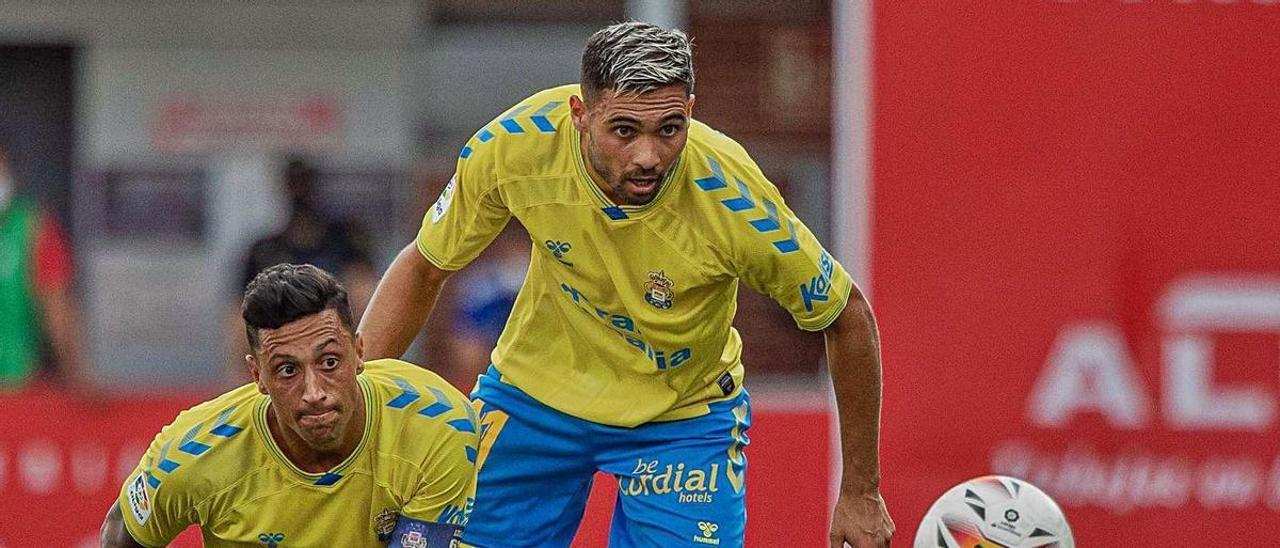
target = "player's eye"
x: 287, y: 370
x: 669, y: 130
x: 331, y: 363
x: 624, y: 131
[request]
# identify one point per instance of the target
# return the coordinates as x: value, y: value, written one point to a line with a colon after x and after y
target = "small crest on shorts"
x: 384, y: 524
x: 660, y: 290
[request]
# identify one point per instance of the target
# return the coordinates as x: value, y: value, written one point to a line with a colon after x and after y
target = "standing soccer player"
x: 619, y: 355
x: 322, y: 449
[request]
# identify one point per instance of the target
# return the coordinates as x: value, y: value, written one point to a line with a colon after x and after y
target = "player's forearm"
x: 113, y: 533
x: 400, y: 304
x: 853, y: 356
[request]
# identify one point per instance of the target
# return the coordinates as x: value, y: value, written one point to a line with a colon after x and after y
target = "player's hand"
x: 861, y: 521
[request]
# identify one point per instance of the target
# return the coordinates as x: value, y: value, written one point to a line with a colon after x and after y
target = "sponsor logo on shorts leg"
x: 707, y: 533
x: 139, y: 500
x: 688, y: 484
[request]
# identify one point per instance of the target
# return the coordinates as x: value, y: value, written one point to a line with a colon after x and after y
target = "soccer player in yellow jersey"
x: 322, y: 449
x: 619, y: 354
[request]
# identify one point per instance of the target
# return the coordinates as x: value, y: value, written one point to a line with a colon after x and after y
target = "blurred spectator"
x: 484, y: 295
x: 310, y: 236
x: 36, y: 297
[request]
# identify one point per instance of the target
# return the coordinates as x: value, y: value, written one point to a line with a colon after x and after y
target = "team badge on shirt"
x: 660, y: 290
x: 384, y: 524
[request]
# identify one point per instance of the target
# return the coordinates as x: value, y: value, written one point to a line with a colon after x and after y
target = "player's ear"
x: 688, y: 109
x: 359, y: 353
x: 578, y: 111
x: 252, y: 362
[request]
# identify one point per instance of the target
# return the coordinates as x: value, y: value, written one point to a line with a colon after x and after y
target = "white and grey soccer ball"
x: 994, y: 512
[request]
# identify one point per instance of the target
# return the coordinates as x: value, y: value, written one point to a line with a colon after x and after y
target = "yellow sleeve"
x: 469, y: 213
x: 446, y: 482
x: 779, y: 257
x: 156, y: 506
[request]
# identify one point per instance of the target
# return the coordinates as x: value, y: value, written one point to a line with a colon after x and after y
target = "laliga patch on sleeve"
x: 411, y: 533
x: 442, y: 203
x: 139, y: 500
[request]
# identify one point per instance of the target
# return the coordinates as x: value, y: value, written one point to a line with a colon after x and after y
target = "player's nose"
x: 313, y: 389
x: 646, y: 155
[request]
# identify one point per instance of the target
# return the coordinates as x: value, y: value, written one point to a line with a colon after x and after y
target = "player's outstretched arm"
x: 400, y: 305
x: 114, y: 534
x: 853, y: 356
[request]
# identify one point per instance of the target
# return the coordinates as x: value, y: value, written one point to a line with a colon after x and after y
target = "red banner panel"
x: 1076, y: 260
x: 62, y: 463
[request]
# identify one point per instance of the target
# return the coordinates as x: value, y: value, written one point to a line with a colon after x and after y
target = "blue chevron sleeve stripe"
x: 151, y: 480
x: 189, y: 445
x: 485, y: 135
x: 167, y: 466
x: 466, y: 152
x: 509, y: 123
x: 439, y: 407
x: 471, y: 454
x: 715, y: 180
x: 540, y: 117
x: 770, y: 222
x: 463, y: 425
x: 790, y: 244
x: 221, y: 426
x: 408, y: 396
x: 743, y: 201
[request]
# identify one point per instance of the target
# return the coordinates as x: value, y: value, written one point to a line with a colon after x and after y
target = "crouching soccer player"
x: 322, y: 449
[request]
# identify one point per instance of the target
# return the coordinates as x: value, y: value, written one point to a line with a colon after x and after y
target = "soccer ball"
x: 994, y: 512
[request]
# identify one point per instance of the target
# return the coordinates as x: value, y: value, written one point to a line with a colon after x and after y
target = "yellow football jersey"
x: 217, y: 466
x: 625, y: 316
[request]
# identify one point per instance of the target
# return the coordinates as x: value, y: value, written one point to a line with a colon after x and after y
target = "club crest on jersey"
x: 384, y: 524
x: 659, y: 290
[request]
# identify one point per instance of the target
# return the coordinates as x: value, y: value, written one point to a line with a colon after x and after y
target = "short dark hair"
x: 288, y: 292
x: 635, y: 57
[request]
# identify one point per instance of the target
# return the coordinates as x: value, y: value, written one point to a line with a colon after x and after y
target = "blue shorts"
x: 680, y: 483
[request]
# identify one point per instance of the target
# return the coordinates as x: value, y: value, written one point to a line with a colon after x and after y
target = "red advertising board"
x: 1076, y: 260
x: 62, y: 462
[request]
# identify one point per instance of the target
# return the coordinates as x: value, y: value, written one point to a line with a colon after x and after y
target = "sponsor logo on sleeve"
x: 819, y: 287
x: 139, y: 500
x: 442, y: 203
